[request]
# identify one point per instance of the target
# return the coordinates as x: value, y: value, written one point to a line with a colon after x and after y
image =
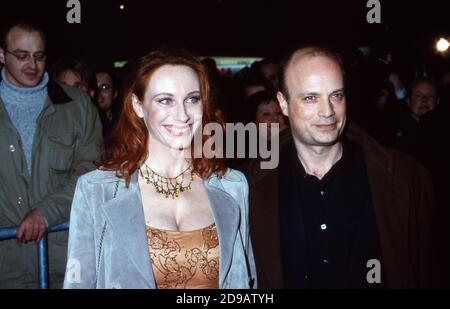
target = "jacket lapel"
x: 126, y: 218
x: 226, y: 216
x: 57, y: 94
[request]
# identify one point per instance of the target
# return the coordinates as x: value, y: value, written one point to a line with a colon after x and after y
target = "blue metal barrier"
x: 42, y: 247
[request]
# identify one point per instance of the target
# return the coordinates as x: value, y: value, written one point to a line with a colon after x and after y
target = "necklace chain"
x: 168, y: 186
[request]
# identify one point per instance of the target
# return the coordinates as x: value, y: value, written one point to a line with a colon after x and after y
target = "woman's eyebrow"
x: 162, y: 93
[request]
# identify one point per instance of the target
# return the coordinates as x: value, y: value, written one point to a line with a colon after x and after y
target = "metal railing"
x: 42, y: 247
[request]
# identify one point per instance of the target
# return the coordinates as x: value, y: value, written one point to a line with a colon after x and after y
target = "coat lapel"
x: 226, y: 216
x: 126, y: 218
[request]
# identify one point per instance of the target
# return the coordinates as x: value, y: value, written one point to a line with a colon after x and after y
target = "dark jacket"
x: 67, y: 141
x: 403, y: 200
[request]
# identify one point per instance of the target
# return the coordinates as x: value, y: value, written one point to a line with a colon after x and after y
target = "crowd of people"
x: 360, y: 178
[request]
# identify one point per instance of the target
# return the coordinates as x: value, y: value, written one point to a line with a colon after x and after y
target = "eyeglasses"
x: 104, y: 87
x: 24, y: 56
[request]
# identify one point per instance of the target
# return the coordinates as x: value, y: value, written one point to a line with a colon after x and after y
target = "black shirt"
x: 328, y: 226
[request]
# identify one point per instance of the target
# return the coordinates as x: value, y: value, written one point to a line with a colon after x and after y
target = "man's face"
x: 316, y: 107
x: 23, y: 57
x: 71, y: 78
x: 423, y: 99
x: 106, y: 92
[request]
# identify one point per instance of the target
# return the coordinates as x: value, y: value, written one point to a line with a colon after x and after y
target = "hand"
x: 32, y: 228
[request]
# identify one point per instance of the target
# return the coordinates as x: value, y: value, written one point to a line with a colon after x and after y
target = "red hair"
x: 126, y: 149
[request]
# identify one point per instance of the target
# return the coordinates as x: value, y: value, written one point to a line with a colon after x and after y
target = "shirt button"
x: 12, y: 148
x: 323, y: 227
x: 19, y: 201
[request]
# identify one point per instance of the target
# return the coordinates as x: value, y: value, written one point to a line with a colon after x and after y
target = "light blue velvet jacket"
x: 108, y: 242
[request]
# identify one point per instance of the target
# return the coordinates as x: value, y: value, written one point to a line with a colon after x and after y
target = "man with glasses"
x: 422, y: 98
x: 49, y: 136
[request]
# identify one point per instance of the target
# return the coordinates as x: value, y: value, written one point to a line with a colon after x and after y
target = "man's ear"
x: 284, y: 105
x: 115, y: 94
x: 2, y: 56
x: 137, y: 106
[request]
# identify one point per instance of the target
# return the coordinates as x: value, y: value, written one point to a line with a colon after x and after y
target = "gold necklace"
x: 166, y: 185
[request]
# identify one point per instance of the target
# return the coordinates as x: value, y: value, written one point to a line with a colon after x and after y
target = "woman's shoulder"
x: 231, y: 175
x: 99, y: 176
x: 233, y: 181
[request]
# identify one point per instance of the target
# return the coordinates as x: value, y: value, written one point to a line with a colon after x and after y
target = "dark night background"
x: 268, y: 28
x: 235, y: 28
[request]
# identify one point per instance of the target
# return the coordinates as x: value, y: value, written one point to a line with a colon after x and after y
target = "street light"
x: 442, y: 45
x: 122, y: 7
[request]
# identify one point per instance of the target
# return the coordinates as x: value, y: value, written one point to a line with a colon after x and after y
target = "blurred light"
x: 442, y: 45
x: 365, y: 50
x: 234, y: 64
x: 122, y: 7
x: 119, y: 64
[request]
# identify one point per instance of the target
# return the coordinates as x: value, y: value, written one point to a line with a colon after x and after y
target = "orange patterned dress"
x: 185, y: 260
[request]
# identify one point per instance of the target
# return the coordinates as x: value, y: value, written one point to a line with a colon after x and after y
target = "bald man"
x: 340, y: 211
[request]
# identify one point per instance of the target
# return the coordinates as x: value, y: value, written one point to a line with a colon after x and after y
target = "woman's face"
x: 270, y: 112
x: 172, y: 107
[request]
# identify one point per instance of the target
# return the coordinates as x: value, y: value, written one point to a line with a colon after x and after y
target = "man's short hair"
x: 24, y: 25
x: 79, y: 67
x: 424, y: 80
x: 309, y: 51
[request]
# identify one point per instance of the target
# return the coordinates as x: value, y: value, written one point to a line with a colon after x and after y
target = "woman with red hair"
x: 156, y: 214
